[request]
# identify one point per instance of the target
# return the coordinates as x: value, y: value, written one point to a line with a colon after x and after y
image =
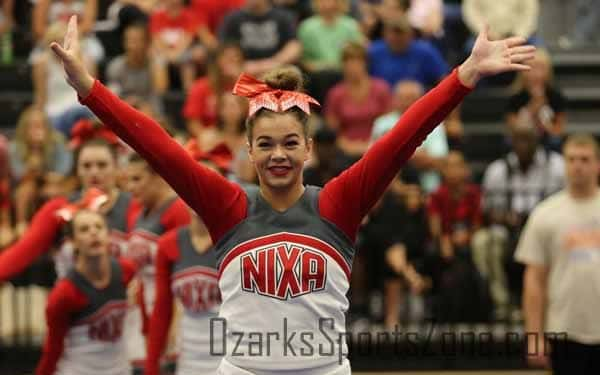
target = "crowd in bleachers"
x: 438, y: 245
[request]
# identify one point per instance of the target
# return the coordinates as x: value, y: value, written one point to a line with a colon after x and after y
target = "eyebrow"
x: 268, y: 138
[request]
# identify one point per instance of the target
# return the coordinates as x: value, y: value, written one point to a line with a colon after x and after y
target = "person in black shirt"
x: 266, y: 34
x: 538, y: 102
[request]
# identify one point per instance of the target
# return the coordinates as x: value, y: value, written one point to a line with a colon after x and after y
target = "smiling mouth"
x: 279, y: 170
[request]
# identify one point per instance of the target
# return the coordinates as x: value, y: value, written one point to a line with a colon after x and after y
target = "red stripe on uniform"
x: 272, y: 239
x: 197, y: 270
x: 103, y: 310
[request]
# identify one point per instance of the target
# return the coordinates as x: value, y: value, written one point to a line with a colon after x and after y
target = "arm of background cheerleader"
x: 62, y: 302
x: 38, y: 239
x: 160, y: 321
x: 129, y: 270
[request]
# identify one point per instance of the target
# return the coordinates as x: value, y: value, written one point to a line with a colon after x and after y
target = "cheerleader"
x: 86, y: 308
x: 161, y: 211
x: 96, y: 168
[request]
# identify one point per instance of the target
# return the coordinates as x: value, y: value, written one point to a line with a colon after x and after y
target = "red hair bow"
x: 91, y: 200
x: 262, y: 95
x: 220, y: 154
x: 85, y: 130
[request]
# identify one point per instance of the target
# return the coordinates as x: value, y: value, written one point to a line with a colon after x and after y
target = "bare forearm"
x: 468, y: 73
x: 289, y: 54
x: 534, y: 302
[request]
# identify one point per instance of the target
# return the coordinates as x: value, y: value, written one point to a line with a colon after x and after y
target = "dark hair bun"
x: 285, y: 78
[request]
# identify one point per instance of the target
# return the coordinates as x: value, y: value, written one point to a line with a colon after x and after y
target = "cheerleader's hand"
x: 70, y: 55
x: 490, y: 57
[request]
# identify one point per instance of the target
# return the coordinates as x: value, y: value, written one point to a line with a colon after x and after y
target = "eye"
x: 264, y: 144
x: 291, y: 144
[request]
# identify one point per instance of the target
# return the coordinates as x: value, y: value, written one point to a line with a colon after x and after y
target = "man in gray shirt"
x: 135, y: 73
x: 560, y: 246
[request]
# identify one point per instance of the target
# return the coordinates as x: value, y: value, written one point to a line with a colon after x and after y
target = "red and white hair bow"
x: 262, y: 95
x: 91, y: 200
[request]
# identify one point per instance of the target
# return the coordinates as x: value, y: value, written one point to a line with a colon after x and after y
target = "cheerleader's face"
x: 139, y: 178
x: 90, y: 234
x: 96, y: 167
x: 278, y: 150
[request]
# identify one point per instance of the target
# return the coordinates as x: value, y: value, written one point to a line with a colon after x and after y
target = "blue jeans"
x: 64, y: 122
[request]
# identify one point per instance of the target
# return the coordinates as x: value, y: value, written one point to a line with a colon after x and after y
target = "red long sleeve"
x: 64, y: 300
x: 162, y: 314
x: 220, y: 203
x: 129, y: 269
x: 345, y: 200
x: 38, y: 239
x: 175, y: 216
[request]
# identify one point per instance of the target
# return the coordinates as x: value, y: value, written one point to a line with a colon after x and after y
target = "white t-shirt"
x: 564, y: 234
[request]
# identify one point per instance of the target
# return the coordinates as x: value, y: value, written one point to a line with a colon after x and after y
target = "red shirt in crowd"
x: 171, y: 29
x: 201, y: 103
x: 356, y: 117
x: 213, y: 11
x: 465, y: 210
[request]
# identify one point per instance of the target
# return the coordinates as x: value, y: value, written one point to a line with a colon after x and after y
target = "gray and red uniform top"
x: 142, y: 245
x: 190, y: 277
x: 282, y: 272
x: 85, y: 325
x: 45, y: 231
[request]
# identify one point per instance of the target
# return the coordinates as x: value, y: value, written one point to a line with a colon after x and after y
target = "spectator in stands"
x: 537, y: 100
x: 399, y: 57
x: 214, y: 11
x: 426, y: 17
x: 428, y: 159
x: 6, y: 229
x: 200, y: 109
x: 301, y: 9
x: 231, y: 123
x: 512, y: 187
x: 353, y: 104
x: 172, y: 28
x: 51, y: 92
x: 7, y: 19
x: 560, y: 246
x: 266, y: 35
x: 585, y: 28
x: 38, y: 157
x: 455, y: 133
x: 395, y: 237
x: 48, y: 12
x: 230, y: 126
x: 505, y: 18
x: 324, y: 165
x: 455, y: 32
x: 374, y: 13
x: 136, y: 73
x: 454, y: 209
x: 324, y: 35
